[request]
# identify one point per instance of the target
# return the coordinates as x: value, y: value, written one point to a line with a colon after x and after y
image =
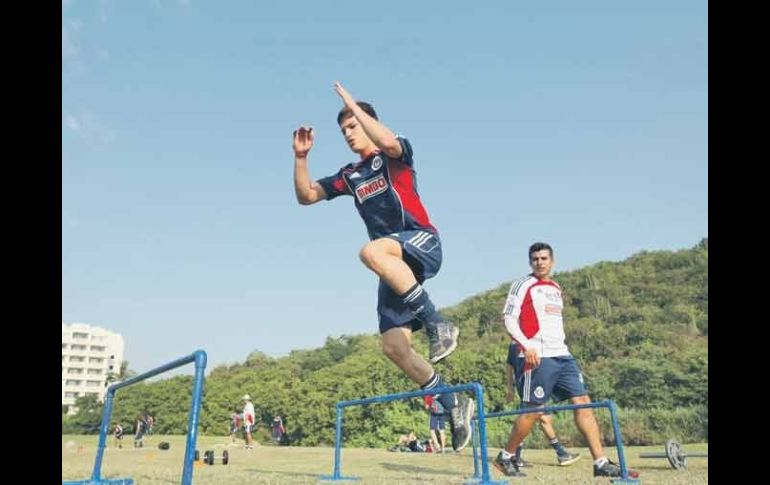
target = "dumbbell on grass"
x: 209, y: 457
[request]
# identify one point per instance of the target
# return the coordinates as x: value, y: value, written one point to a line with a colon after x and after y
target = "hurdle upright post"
x: 624, y: 478
x: 104, y: 429
x: 193, y: 417
x: 485, y: 477
x: 338, y: 446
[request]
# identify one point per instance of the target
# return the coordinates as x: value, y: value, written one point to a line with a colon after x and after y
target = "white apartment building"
x: 88, y: 356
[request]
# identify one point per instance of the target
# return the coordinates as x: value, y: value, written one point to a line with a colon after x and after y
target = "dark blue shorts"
x: 422, y: 253
x: 437, y: 421
x: 556, y: 378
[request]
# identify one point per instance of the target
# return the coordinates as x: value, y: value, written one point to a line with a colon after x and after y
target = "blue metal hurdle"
x: 624, y: 478
x: 199, y: 357
x: 473, y: 386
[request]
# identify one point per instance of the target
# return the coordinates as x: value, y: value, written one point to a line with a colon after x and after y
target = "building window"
x: 92, y: 383
x: 95, y: 360
x: 72, y: 382
x: 77, y: 347
x: 70, y: 394
x: 63, y: 346
x: 97, y: 348
x: 79, y: 335
x: 93, y: 372
x: 74, y: 370
x: 77, y: 358
x: 92, y: 394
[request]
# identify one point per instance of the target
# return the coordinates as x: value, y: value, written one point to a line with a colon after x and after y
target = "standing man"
x: 249, y: 419
x: 118, y: 431
x: 141, y: 430
x: 544, y: 367
x: 546, y: 419
x: 437, y: 423
x: 278, y: 429
x: 404, y: 248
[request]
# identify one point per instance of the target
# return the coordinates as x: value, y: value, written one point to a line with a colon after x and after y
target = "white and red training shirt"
x: 533, y: 318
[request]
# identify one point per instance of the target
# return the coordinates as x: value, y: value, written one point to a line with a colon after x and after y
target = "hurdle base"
x: 332, y: 478
x: 103, y: 481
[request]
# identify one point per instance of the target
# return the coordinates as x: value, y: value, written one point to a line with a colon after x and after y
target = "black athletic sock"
x: 418, y: 301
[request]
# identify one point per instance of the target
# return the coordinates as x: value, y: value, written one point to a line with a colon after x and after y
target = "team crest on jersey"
x: 376, y: 163
x: 539, y: 393
x: 371, y: 188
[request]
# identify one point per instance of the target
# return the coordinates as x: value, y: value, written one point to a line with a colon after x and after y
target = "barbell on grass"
x: 675, y: 455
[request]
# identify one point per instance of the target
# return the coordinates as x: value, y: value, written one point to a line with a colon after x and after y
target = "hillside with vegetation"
x: 639, y: 329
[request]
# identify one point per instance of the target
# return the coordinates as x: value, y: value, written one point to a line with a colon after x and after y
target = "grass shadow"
x: 398, y: 467
x: 290, y: 474
x: 154, y: 478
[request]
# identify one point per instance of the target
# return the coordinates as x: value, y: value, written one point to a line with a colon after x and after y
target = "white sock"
x: 600, y: 462
x: 506, y: 455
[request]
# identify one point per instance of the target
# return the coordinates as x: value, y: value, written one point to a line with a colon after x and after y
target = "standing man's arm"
x: 308, y: 191
x: 511, y: 315
x: 376, y: 131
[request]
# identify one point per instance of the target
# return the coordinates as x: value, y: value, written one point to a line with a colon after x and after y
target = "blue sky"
x: 583, y: 124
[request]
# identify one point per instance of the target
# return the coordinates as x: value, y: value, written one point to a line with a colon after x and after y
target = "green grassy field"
x: 269, y: 465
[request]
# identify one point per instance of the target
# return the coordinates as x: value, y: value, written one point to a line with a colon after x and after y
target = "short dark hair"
x: 346, y: 112
x: 539, y: 246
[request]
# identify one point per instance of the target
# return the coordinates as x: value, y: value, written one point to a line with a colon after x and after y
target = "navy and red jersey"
x: 384, y: 190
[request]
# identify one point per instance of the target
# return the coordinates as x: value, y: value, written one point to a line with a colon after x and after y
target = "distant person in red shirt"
x: 437, y: 423
x: 235, y: 425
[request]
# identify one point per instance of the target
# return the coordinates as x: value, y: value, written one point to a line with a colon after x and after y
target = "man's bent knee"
x: 374, y: 251
x: 368, y: 255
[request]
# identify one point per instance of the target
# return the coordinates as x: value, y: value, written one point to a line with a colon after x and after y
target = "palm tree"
x: 125, y: 372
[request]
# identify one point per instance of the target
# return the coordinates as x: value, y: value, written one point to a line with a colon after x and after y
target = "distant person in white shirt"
x: 249, y: 420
